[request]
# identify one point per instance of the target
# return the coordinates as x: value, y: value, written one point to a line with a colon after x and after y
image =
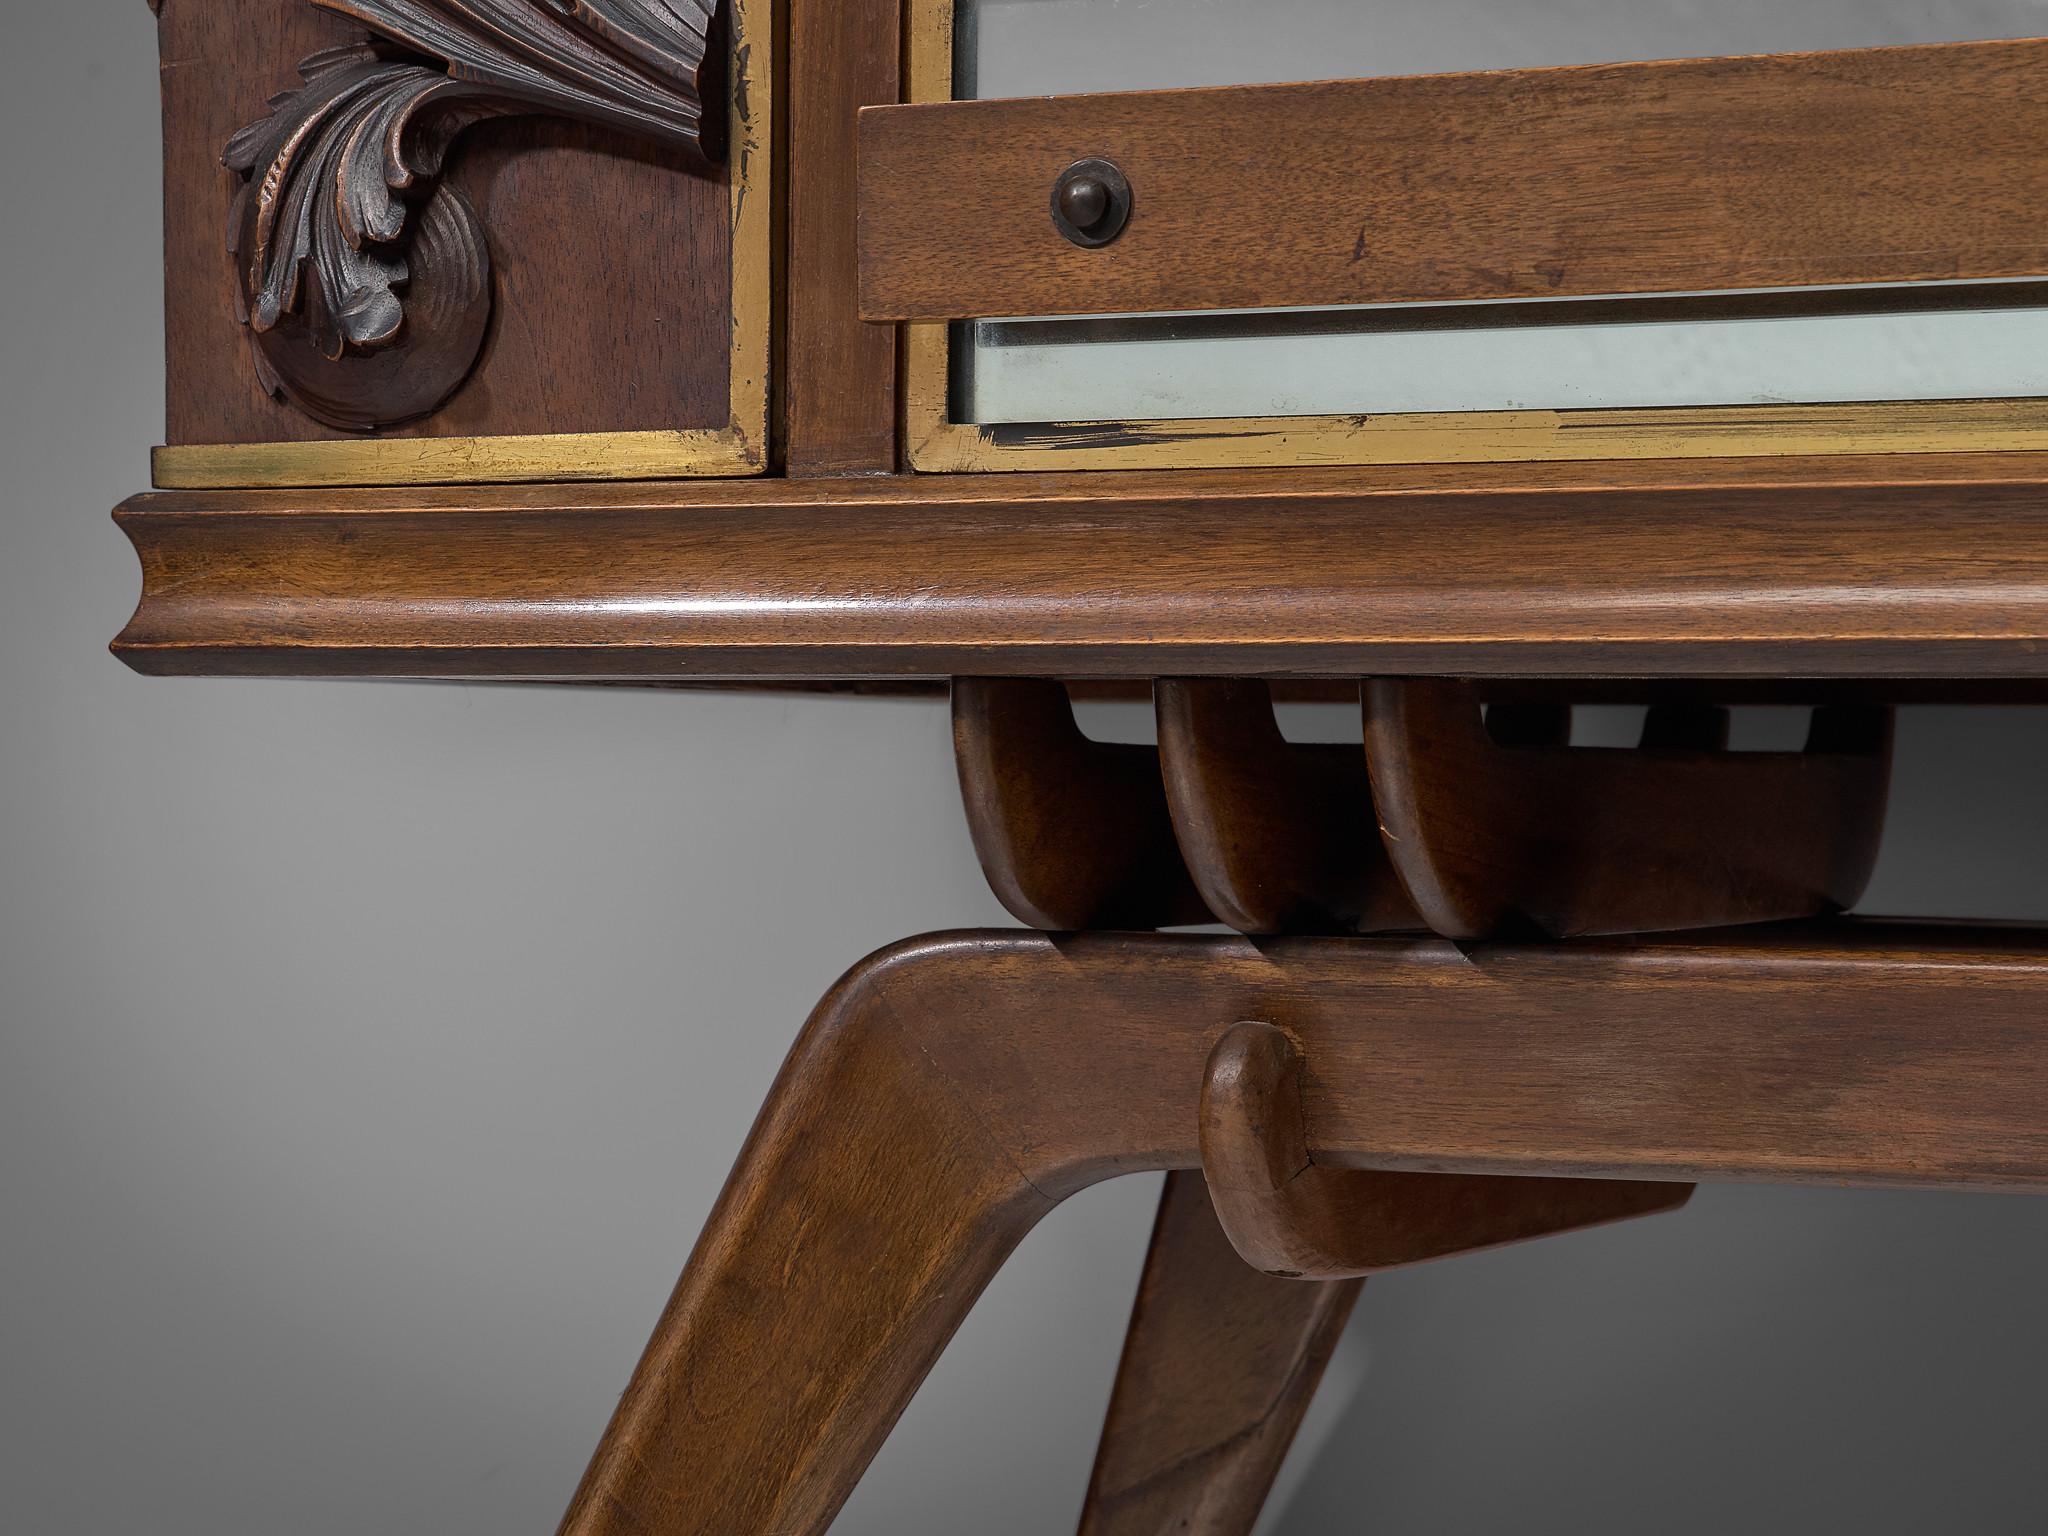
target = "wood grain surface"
x: 1907, y: 567
x: 1293, y: 1220
x: 1279, y: 836
x: 953, y: 1089
x: 839, y: 384
x: 1675, y: 833
x: 1218, y: 1367
x: 1875, y: 165
x: 1072, y: 833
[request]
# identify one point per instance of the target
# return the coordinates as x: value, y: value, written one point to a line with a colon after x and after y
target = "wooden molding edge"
x: 1931, y: 567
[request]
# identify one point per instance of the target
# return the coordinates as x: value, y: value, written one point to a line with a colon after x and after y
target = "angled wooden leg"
x: 939, y: 1102
x: 951, y: 1090
x: 1219, y: 1366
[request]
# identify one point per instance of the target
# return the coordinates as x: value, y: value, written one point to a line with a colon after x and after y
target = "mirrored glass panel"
x: 1924, y: 342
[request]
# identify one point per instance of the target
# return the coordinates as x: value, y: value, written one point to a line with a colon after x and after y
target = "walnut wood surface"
x: 1891, y: 567
x: 1617, y: 178
x: 569, y: 207
x: 1291, y: 1219
x: 1218, y: 1368
x: 839, y: 385
x: 951, y: 1090
x: 1676, y: 834
x: 1279, y: 836
x: 1072, y: 833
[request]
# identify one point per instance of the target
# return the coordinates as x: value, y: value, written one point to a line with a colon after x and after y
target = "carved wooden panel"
x: 364, y: 281
x: 611, y: 253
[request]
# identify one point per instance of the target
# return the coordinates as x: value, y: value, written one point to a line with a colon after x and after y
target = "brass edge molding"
x: 738, y: 448
x: 934, y: 443
x: 456, y: 460
x: 1676, y: 432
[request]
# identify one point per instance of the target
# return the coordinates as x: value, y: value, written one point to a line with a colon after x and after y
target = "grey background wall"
x: 370, y: 1055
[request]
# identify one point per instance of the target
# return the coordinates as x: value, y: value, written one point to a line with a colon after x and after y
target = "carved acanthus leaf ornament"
x: 364, y: 280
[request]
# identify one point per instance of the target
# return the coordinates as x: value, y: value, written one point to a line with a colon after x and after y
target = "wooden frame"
x: 994, y: 1075
x: 740, y: 448
x: 838, y: 382
x: 935, y: 443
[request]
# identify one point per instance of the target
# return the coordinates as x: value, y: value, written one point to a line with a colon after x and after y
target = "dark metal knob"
x: 1091, y: 202
x: 1083, y: 201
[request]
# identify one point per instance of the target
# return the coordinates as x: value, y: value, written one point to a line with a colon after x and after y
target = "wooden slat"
x: 1488, y: 836
x: 1901, y: 567
x: 840, y: 375
x: 1072, y: 833
x: 1279, y: 836
x: 1877, y: 165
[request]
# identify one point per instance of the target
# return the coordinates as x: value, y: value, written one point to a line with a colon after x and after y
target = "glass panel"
x: 1545, y: 355
x: 1044, y: 47
x: 1924, y: 342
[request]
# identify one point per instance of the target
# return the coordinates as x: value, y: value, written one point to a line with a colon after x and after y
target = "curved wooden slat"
x: 1676, y: 834
x: 1290, y: 1218
x: 1279, y: 836
x: 1072, y: 833
x: 1219, y: 1366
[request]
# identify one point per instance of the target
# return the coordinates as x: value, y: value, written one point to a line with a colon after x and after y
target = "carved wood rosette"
x: 364, y: 280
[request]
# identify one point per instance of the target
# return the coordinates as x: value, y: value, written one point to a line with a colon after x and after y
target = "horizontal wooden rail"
x: 1908, y: 567
x: 1869, y: 166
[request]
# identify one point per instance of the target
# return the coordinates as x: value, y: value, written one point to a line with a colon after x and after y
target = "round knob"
x: 1085, y: 201
x: 1091, y: 202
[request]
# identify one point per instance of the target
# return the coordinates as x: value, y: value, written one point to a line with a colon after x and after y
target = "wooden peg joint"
x: 1289, y: 1217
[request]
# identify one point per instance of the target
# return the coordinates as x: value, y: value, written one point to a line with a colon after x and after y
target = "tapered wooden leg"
x: 1219, y: 1367
x: 866, y: 1212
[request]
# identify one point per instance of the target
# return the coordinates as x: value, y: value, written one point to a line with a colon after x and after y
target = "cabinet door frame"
x: 934, y: 442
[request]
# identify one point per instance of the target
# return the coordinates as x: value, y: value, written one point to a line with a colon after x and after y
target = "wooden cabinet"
x: 1478, y: 394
